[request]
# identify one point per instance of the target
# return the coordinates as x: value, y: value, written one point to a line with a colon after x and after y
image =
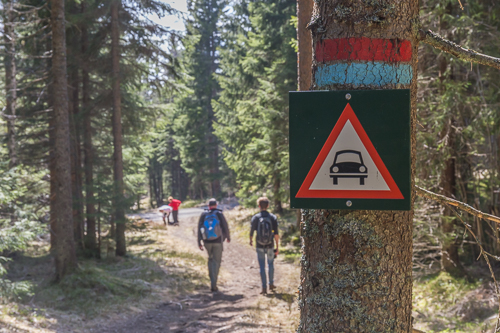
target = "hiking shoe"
x: 214, y: 290
x: 272, y: 287
x: 264, y: 291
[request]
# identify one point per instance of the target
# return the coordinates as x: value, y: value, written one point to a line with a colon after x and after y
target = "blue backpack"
x: 211, y: 228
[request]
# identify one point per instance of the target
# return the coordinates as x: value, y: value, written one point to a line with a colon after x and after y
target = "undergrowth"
x: 442, y: 303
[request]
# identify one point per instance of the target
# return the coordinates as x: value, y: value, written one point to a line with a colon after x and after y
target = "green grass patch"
x: 442, y: 303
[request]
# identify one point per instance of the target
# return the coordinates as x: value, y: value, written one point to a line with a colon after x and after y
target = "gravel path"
x: 229, y: 310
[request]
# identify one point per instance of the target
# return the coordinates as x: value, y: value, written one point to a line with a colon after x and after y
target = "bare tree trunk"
x: 278, y: 208
x: 117, y: 131
x: 304, y: 63
x: 65, y: 255
x: 357, y: 265
x: 450, y: 260
x: 304, y: 56
x: 76, y: 162
x: 10, y: 80
x: 53, y: 181
x: 90, y: 237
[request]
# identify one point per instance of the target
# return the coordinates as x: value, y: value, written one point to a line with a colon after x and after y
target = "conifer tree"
x: 10, y: 78
x: 197, y: 144
x: 258, y: 70
x: 65, y: 255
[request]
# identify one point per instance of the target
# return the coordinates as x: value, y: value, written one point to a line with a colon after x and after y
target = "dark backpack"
x: 211, y: 228
x: 265, y: 232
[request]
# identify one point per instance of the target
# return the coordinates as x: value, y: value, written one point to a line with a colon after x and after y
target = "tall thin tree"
x: 90, y: 237
x: 117, y: 131
x: 65, y: 255
x: 10, y: 78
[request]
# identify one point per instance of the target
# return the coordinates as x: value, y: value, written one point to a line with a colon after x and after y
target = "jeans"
x: 261, y: 256
x: 175, y: 213
x: 214, y: 251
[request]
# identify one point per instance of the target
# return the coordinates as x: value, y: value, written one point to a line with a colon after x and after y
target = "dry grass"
x: 101, y: 291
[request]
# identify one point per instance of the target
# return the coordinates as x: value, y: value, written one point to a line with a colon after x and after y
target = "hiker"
x: 213, y: 230
x: 266, y: 226
x: 174, y: 203
x: 166, y: 210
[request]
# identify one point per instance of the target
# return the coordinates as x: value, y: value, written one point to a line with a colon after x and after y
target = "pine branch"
x: 458, y: 51
x: 445, y: 200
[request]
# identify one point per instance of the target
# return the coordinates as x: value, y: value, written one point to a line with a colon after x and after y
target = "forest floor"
x: 162, y: 286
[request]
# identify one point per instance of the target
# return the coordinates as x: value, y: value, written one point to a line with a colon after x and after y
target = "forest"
x: 106, y: 113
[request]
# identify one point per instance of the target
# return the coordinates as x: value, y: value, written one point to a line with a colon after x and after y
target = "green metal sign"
x: 350, y: 149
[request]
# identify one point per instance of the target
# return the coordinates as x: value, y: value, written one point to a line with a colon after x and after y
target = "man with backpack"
x: 266, y: 226
x: 213, y: 230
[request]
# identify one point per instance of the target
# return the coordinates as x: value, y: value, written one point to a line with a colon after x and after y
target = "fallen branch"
x: 458, y: 51
x: 460, y: 205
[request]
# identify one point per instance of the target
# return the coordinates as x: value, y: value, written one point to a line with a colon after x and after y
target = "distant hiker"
x: 266, y: 226
x: 213, y: 230
x: 174, y: 203
x: 166, y: 210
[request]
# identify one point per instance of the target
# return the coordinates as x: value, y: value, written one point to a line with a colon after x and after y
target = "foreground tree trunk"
x: 357, y: 265
x: 117, y: 131
x: 90, y: 236
x: 65, y: 256
x: 10, y: 79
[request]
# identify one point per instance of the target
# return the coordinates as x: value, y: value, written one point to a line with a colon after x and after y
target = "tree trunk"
x: 65, y: 256
x: 90, y: 237
x: 117, y: 132
x: 357, y: 265
x: 304, y: 56
x: 10, y: 80
x: 450, y: 260
x: 76, y: 159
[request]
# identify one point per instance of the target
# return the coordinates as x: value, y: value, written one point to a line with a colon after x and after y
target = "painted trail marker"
x: 350, y: 154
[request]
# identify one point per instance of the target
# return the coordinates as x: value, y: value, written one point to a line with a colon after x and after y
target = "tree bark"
x: 304, y: 56
x: 117, y: 131
x: 65, y: 255
x: 10, y: 80
x: 356, y: 271
x: 90, y: 237
x: 76, y: 157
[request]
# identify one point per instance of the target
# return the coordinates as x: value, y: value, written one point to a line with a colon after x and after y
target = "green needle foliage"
x: 258, y: 69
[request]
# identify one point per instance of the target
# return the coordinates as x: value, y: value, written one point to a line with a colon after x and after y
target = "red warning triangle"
x: 348, y: 166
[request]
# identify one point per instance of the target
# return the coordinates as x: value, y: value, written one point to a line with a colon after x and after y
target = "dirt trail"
x: 232, y: 309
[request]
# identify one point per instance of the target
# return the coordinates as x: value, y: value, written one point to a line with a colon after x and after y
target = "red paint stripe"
x: 367, y: 49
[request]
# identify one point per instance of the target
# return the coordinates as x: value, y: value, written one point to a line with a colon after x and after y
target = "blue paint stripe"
x: 366, y: 73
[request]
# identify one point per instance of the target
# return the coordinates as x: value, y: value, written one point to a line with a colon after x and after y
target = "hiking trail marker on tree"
x: 350, y: 149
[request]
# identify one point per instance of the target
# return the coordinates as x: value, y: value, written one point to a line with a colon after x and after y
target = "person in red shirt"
x: 174, y: 203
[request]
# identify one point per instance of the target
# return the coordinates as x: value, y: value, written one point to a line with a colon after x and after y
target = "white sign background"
x: 348, y: 139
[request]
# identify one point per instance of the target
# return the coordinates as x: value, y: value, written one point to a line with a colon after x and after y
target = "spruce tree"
x: 195, y: 138
x: 258, y: 69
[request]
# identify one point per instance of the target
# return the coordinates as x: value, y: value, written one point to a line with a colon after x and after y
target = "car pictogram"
x: 348, y: 164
